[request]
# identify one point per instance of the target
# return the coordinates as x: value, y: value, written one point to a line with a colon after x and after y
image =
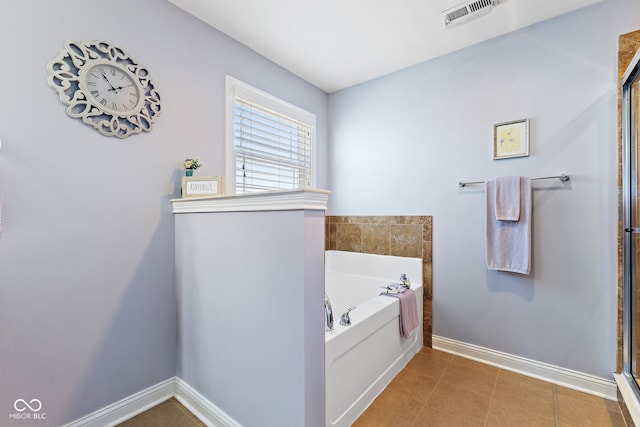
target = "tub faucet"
x: 345, y: 320
x: 404, y: 281
x: 328, y: 314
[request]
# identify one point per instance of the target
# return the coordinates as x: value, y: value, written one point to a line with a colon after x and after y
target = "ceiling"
x: 335, y: 44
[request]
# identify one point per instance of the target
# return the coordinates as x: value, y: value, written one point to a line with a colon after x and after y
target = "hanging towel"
x: 408, y: 311
x: 509, y: 242
x: 507, y: 198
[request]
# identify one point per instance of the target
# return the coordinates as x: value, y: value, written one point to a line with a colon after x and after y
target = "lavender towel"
x: 507, y: 198
x: 509, y: 242
x: 408, y: 311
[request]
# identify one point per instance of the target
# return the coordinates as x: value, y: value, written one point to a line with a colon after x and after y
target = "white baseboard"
x: 565, y: 377
x: 137, y: 403
x: 202, y: 408
x: 128, y: 407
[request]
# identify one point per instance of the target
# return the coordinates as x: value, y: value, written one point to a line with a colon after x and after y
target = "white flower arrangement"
x: 192, y: 163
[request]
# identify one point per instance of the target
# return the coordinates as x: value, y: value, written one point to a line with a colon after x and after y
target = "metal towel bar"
x: 562, y: 177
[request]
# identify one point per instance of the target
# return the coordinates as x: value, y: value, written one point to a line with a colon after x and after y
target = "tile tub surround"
x: 408, y: 236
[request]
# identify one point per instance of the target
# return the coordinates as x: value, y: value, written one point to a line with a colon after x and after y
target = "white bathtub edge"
x: 587, y: 383
x: 374, y: 324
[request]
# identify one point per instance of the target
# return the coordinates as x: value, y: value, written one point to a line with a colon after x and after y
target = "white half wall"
x: 250, y: 307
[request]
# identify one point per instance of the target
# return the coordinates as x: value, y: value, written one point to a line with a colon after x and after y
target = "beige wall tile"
x: 348, y: 237
x: 406, y: 240
x: 375, y: 239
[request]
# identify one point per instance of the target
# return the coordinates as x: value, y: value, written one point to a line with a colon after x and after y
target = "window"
x: 270, y: 143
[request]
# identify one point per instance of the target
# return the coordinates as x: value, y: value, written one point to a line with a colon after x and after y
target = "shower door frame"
x: 630, y: 166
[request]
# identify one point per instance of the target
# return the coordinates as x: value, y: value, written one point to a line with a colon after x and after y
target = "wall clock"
x: 105, y: 88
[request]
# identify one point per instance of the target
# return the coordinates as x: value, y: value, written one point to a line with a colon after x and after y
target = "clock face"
x: 112, y: 88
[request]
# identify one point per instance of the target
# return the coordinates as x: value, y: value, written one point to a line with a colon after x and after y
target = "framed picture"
x: 202, y: 186
x: 511, y: 139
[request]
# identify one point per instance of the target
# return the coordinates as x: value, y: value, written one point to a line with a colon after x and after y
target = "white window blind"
x: 272, y: 143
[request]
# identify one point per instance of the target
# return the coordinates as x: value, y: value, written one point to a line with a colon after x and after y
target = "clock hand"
x: 112, y: 88
x: 120, y: 87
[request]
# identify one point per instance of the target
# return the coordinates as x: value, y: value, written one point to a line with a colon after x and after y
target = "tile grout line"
x: 491, y: 399
x: 438, y: 381
x: 555, y: 405
x: 415, y: 418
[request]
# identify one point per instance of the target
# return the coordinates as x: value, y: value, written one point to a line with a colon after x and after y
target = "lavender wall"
x: 427, y: 127
x: 87, y: 299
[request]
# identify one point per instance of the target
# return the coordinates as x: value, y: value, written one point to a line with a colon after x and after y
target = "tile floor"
x: 438, y: 389
x: 167, y: 414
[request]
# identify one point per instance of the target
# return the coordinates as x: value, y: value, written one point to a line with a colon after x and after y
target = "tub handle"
x: 344, y: 319
x: 328, y: 314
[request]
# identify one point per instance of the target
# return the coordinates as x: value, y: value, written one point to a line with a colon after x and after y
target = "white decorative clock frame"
x: 105, y: 88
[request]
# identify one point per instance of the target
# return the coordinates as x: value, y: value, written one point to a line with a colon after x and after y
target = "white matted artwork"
x: 511, y: 139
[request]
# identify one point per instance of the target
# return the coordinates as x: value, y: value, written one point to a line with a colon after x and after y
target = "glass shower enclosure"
x: 631, y: 226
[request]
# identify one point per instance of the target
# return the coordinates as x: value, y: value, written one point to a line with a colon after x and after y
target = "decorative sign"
x: 202, y: 186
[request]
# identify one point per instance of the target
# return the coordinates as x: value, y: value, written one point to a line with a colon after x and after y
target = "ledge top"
x: 303, y: 199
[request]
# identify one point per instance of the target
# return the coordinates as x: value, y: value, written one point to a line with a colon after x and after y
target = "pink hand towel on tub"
x: 408, y: 311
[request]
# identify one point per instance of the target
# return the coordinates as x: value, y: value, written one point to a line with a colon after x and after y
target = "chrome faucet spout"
x: 345, y: 319
x: 328, y: 314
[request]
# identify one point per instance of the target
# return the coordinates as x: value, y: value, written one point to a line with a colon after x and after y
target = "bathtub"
x: 362, y: 359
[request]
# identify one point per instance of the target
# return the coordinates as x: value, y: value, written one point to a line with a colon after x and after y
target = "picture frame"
x: 511, y: 139
x: 202, y: 186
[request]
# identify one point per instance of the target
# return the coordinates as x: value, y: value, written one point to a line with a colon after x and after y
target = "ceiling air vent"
x: 467, y: 11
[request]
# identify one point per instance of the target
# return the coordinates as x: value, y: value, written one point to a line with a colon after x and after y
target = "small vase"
x: 188, y: 172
